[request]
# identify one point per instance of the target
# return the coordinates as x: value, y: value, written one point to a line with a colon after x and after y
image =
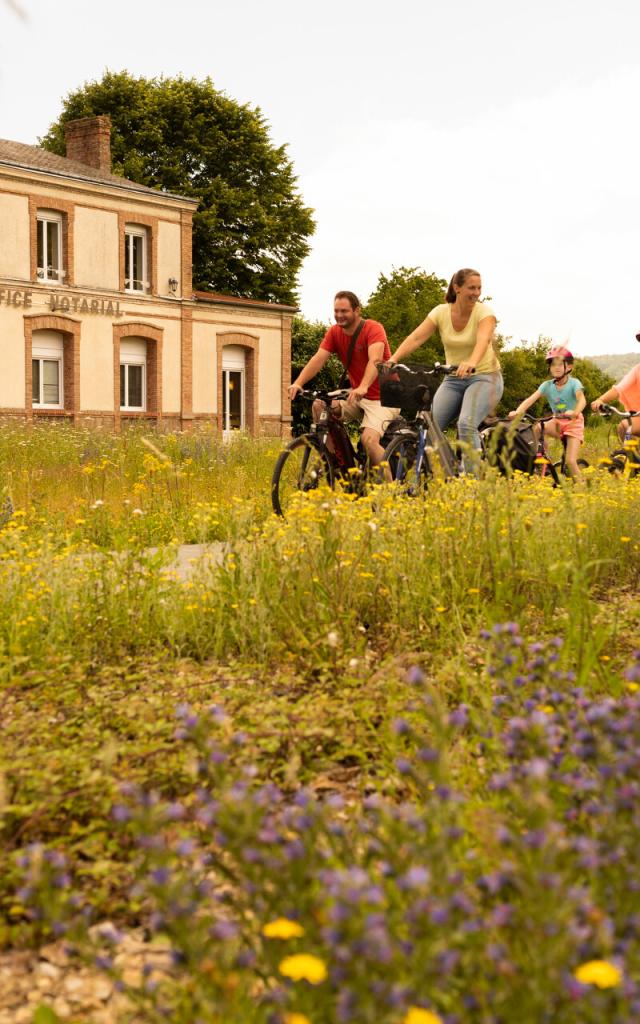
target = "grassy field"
x: 382, y: 765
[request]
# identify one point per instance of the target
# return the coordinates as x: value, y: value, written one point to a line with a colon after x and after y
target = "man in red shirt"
x: 363, y: 403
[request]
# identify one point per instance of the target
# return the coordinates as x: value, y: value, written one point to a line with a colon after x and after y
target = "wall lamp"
x: 173, y: 284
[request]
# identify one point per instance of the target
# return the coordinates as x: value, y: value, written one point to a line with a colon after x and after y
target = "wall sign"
x: 80, y: 304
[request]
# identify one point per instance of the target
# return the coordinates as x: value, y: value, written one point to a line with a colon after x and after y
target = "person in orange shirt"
x: 628, y: 392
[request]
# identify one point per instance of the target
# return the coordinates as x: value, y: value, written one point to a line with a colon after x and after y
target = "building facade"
x: 98, y: 319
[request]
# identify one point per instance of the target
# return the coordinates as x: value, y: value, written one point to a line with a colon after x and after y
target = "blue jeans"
x: 470, y: 399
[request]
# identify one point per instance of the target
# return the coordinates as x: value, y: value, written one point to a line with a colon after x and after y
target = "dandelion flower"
x: 416, y: 1015
x: 304, y: 967
x: 598, y: 972
x: 282, y: 928
x: 296, y: 1018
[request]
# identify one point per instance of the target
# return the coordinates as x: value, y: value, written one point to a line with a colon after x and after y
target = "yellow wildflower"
x: 303, y: 967
x: 418, y: 1016
x: 282, y: 928
x: 600, y: 973
x: 296, y: 1018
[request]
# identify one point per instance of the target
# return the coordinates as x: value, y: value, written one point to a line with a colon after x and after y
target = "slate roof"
x: 34, y: 158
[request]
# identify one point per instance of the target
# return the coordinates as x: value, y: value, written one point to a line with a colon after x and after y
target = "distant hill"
x: 616, y: 366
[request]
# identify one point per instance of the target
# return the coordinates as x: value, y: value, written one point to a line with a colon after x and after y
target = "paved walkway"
x: 191, y: 558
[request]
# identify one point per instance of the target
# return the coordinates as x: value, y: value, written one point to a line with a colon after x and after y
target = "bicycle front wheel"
x: 401, y: 455
x: 622, y: 463
x: 303, y: 466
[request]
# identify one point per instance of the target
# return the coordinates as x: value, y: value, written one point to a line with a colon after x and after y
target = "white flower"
x: 138, y: 512
x: 333, y: 639
x: 353, y: 663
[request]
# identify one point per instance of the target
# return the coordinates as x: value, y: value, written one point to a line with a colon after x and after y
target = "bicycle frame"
x: 327, y: 426
x: 433, y: 450
x: 319, y: 456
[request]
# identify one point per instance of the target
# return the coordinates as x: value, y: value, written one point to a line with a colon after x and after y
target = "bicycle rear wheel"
x: 303, y: 466
x: 401, y: 454
x: 564, y: 469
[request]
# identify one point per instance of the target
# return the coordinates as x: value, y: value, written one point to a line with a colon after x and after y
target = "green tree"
x: 402, y: 301
x: 251, y: 229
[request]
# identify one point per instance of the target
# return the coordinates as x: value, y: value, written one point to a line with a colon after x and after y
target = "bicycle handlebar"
x: 606, y: 410
x: 545, y: 419
x: 324, y: 396
x: 444, y: 368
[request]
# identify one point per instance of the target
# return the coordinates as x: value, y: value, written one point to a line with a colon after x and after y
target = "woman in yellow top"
x: 466, y: 327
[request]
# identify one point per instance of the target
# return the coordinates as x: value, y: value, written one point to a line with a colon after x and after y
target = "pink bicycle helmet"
x: 559, y: 352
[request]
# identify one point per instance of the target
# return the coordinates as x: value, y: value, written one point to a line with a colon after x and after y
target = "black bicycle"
x: 321, y: 457
x: 418, y: 449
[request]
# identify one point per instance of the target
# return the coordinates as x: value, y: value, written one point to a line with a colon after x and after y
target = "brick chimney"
x: 89, y: 141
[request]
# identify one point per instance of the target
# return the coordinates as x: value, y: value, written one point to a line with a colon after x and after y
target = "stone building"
x: 98, y: 319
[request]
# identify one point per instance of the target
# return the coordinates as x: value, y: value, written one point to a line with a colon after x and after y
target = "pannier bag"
x: 392, y: 428
x: 510, y: 447
x: 408, y: 389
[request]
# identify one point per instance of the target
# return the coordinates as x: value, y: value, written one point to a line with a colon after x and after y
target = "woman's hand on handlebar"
x: 465, y: 369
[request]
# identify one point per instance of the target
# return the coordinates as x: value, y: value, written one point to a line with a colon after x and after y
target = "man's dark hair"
x: 351, y: 298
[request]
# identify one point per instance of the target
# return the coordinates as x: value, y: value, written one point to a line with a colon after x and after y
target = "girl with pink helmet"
x: 565, y: 395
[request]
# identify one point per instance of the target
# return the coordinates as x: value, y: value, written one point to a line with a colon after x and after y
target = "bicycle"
x: 624, y: 461
x: 309, y: 461
x: 418, y: 449
x: 543, y: 464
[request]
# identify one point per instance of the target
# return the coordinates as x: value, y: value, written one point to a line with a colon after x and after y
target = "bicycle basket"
x: 510, y: 447
x: 407, y: 388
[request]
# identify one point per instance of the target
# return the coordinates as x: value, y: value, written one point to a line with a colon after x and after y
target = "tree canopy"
x: 182, y: 135
x: 401, y: 301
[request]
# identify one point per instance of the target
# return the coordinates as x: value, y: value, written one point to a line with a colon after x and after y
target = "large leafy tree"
x: 401, y: 301
x: 251, y: 229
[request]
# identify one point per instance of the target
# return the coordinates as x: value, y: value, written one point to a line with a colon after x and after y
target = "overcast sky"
x: 497, y: 135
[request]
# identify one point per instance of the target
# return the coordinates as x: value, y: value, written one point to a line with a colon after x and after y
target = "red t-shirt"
x: 337, y: 342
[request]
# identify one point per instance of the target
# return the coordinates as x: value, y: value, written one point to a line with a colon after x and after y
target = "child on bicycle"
x: 628, y: 392
x: 565, y: 395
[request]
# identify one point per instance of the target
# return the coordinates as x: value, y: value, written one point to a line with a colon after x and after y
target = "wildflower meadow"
x: 379, y: 762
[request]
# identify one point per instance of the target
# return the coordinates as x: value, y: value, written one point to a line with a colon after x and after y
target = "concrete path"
x: 191, y: 558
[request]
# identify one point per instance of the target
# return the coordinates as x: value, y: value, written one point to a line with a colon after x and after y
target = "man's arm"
x: 375, y: 353
x: 309, y: 371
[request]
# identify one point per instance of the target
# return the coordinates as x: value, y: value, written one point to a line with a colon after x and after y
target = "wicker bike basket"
x: 409, y: 387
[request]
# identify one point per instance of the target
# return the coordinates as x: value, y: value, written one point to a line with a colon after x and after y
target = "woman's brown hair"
x: 459, y: 278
